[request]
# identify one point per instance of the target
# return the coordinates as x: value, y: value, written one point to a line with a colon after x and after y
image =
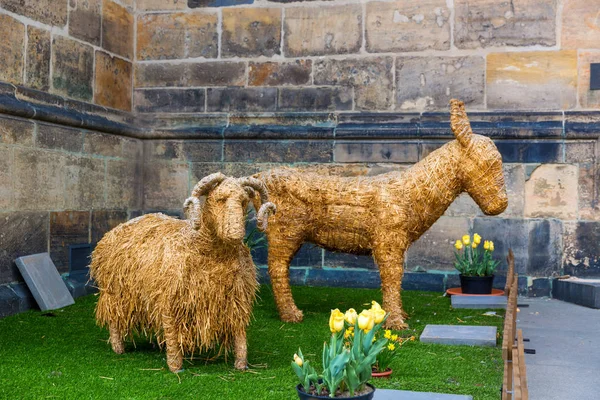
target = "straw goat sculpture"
x: 381, y: 215
x: 192, y: 283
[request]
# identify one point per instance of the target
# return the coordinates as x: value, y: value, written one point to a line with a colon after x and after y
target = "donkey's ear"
x: 459, y: 122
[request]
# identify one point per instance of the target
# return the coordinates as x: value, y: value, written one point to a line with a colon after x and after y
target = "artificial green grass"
x: 66, y: 356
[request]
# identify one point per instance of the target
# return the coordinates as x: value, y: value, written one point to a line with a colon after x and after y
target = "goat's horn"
x: 207, y: 183
x: 459, y: 122
x: 263, y: 214
x: 256, y: 185
x: 191, y: 210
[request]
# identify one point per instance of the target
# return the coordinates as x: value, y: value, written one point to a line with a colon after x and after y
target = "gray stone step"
x: 478, y: 301
x: 387, y: 394
x: 585, y: 292
x: 460, y: 335
x: 42, y: 278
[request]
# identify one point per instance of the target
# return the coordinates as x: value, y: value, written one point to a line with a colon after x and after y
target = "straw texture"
x: 379, y: 215
x: 191, y: 283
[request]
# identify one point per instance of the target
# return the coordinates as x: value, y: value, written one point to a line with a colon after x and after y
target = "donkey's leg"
x: 174, y: 351
x: 241, y: 351
x: 116, y: 339
x: 281, y: 252
x: 391, y: 270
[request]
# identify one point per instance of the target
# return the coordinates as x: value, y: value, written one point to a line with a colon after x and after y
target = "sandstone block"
x: 371, y: 78
x: 203, y: 150
x: 163, y: 150
x: 12, y: 39
x: 122, y: 184
x: 241, y: 99
x: 191, y: 74
x: 362, y: 151
x: 407, y: 26
x: 589, y: 192
x: 102, y: 144
x: 428, y: 83
x: 16, y: 131
x: 587, y: 98
x: 84, y: 178
x: 322, y: 30
x: 49, y: 12
x: 152, y: 5
x: 177, y: 36
x: 59, y: 137
x: 85, y: 20
x: 67, y: 227
x: 277, y: 151
x: 113, y: 81
x: 580, y: 247
x: 166, y: 185
x: 487, y: 23
x: 279, y: 73
x: 541, y: 80
x: 551, y: 191
x: 580, y: 25
x: 39, y: 180
x: 5, y: 178
x: 72, y: 68
x: 170, y: 100
x: 315, y: 99
x: 104, y: 221
x: 37, y: 73
x: 251, y: 32
x: 580, y: 152
x: 117, y: 29
x: 217, y: 3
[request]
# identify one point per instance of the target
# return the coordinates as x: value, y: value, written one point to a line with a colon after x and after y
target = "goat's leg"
x: 116, y: 339
x: 281, y: 252
x: 241, y: 351
x: 391, y: 270
x: 174, y: 351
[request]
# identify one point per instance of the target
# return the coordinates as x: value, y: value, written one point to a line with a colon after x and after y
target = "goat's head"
x: 481, y: 163
x: 225, y: 206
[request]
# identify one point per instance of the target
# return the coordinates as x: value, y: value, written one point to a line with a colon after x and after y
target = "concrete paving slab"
x: 585, y: 292
x: 460, y: 335
x: 42, y: 278
x: 387, y: 394
x: 478, y: 302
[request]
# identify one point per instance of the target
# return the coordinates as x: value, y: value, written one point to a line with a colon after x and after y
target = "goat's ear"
x: 459, y: 122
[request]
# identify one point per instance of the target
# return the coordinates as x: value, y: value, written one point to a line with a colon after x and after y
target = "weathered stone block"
x: 434, y: 250
x: 217, y: 3
x: 261, y: 132
x: 123, y: 189
x: 339, y: 277
x: 16, y: 131
x: 152, y: 5
x: 177, y: 36
x: 202, y: 150
x: 428, y: 83
x: 166, y: 185
x: 580, y: 152
x: 37, y: 70
x: 67, y: 227
x: 589, y: 191
x: 491, y: 23
x: 298, y: 276
x: 5, y: 178
x: 460, y: 335
x: 9, y: 302
x: 85, y: 20
x: 72, y: 68
x: 585, y: 292
x: 170, y: 100
x: 50, y: 12
x: 188, y: 74
x: 117, y: 29
x: 251, y: 32
x: 551, y: 191
x: 12, y: 33
x: 113, y: 82
x: 540, y: 287
x: 315, y: 99
x: 361, y: 151
x: 103, y: 221
x: 541, y: 80
x: 322, y: 30
x: 277, y: 151
x: 102, y: 144
x: 23, y: 233
x: 587, y: 98
x: 241, y: 99
x: 84, y: 187
x: 580, y: 247
x: 59, y: 137
x: 279, y: 73
x: 580, y: 25
x: 407, y: 26
x: 163, y: 150
x: 345, y: 260
x: 39, y: 181
x: 530, y: 151
x: 371, y: 79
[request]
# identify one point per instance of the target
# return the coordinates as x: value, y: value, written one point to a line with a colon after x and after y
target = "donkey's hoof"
x: 397, y: 324
x: 241, y: 365
x: 294, y: 315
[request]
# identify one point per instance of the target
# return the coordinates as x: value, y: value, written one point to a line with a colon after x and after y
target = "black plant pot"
x: 306, y: 396
x: 476, y: 284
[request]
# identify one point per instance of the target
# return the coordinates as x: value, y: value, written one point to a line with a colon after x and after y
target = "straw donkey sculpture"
x: 192, y: 283
x: 381, y: 215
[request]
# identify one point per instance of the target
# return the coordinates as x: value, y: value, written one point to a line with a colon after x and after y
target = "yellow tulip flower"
x: 365, y: 320
x: 458, y: 245
x: 476, y: 238
x: 336, y: 321
x: 297, y: 360
x: 486, y: 245
x: 491, y: 246
x: 350, y: 316
x: 466, y: 240
x: 474, y: 245
x: 391, y: 347
x: 375, y: 306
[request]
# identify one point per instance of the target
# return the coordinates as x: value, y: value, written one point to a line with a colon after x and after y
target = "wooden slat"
x: 507, y: 381
x: 522, y: 368
x: 516, y: 375
x: 510, y: 259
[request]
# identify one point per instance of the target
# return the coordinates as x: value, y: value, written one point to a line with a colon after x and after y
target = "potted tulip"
x: 476, y: 266
x: 347, y: 360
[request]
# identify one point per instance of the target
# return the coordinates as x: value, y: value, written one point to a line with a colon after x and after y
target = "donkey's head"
x: 480, y: 165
